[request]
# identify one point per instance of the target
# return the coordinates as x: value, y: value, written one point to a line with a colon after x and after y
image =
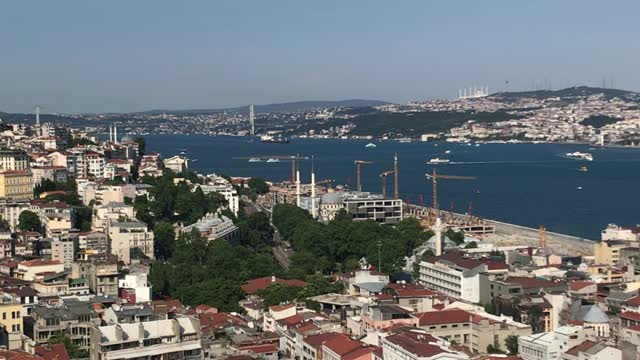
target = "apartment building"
x: 92, y: 243
x: 73, y: 319
x: 176, y: 338
x: 11, y: 324
x: 550, y: 345
x: 127, y: 236
x: 11, y: 159
x: 16, y: 184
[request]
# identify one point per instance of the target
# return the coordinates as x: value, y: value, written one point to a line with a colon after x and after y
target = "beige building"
x: 16, y: 184
x: 130, y: 235
x: 14, y: 160
x: 11, y: 321
x: 607, y: 252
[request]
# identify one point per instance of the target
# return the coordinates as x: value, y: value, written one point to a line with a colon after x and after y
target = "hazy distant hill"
x: 571, y: 92
x: 45, y: 118
x: 282, y: 107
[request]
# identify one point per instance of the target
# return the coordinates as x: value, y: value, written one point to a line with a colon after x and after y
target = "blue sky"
x: 90, y: 56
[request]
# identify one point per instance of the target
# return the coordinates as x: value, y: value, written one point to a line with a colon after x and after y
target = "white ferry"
x: 272, y: 160
x: 370, y: 145
x: 436, y: 161
x: 580, y: 156
x: 255, y: 160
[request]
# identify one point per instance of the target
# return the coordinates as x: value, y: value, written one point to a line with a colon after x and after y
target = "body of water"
x: 525, y: 184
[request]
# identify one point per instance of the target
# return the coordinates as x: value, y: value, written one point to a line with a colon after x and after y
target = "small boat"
x: 477, y: 144
x: 370, y: 145
x: 181, y: 152
x: 448, y: 152
x: 579, y: 188
x: 435, y: 161
x: 272, y: 160
x: 580, y: 156
x: 583, y: 169
x: 255, y: 160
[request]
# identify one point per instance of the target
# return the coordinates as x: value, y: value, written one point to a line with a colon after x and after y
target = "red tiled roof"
x: 469, y: 263
x: 261, y: 349
x: 453, y: 316
x: 39, y: 262
x: 630, y: 315
x: 357, y: 353
x: 422, y: 345
x: 220, y: 319
x: 252, y: 286
x: 291, y: 320
x: 633, y: 327
x: 586, y: 345
x: 52, y: 352
x: 634, y: 301
x: 342, y: 345
x: 316, y: 341
x: 306, y: 327
x: 411, y: 290
x: 278, y: 308
x: 579, y: 285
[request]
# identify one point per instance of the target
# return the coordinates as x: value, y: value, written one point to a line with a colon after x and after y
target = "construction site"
x: 323, y: 198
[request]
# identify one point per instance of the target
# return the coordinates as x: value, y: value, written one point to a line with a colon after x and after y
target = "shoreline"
x: 511, y: 234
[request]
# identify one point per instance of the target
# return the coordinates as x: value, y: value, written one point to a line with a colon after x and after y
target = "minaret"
x: 252, y: 120
x: 115, y: 134
x: 38, y: 115
x: 110, y: 133
x: 396, y: 193
x: 313, y: 190
x: 298, y: 187
x: 438, y: 236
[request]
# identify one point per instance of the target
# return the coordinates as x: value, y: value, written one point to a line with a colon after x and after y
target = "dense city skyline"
x: 80, y: 57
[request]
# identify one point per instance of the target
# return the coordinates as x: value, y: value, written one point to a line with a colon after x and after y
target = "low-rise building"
x: 11, y: 315
x: 550, y: 345
x: 74, y: 320
x: 176, y: 163
x: 418, y: 345
x: 139, y: 284
x: 160, y: 339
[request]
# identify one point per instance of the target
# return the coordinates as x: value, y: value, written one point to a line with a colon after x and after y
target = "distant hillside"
x: 569, y: 93
x: 282, y: 107
x: 45, y: 118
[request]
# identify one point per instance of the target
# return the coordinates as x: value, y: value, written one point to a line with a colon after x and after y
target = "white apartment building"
x: 457, y: 276
x: 10, y: 211
x: 223, y: 186
x: 550, y: 345
x: 64, y: 250
x: 139, y: 283
x: 14, y: 159
x: 128, y: 235
x: 418, y: 345
x: 103, y: 215
x: 161, y: 339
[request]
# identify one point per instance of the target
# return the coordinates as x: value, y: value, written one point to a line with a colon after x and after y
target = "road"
x: 281, y: 250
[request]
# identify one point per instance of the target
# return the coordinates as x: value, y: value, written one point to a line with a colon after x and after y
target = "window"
x: 4, y: 316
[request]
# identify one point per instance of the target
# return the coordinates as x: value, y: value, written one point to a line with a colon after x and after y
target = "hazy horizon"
x: 76, y: 56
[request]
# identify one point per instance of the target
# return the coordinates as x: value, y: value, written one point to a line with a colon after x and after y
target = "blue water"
x: 526, y: 184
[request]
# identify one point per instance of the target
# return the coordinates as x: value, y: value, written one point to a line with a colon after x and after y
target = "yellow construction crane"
x: 434, y: 176
x: 543, y: 237
x: 358, y: 164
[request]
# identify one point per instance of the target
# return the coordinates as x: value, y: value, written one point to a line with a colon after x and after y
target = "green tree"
x: 142, y: 144
x: 512, y: 344
x: 471, y: 245
x: 535, y: 316
x: 455, y: 236
x: 4, y: 225
x: 74, y: 351
x: 494, y: 349
x: 277, y: 293
x: 163, y: 237
x: 29, y: 221
x: 258, y: 185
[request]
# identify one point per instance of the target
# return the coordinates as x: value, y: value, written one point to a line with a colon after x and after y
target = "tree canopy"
x: 338, y: 245
x: 29, y: 221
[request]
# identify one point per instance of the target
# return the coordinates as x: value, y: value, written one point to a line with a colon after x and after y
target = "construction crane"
x: 543, y: 237
x: 358, y: 164
x: 434, y: 176
x: 383, y: 178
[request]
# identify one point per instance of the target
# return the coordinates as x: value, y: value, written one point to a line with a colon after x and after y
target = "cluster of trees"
x: 317, y: 284
x: 176, y: 202
x: 73, y: 350
x: 198, y: 271
x: 48, y: 185
x: 338, y: 245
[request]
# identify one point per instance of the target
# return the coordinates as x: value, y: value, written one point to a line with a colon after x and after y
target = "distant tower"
x: 115, y: 134
x: 252, y: 120
x: 110, y: 133
x: 37, y: 109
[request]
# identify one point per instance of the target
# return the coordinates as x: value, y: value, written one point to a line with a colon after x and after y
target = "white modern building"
x: 129, y: 235
x: 550, y: 345
x: 138, y: 282
x: 225, y: 188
